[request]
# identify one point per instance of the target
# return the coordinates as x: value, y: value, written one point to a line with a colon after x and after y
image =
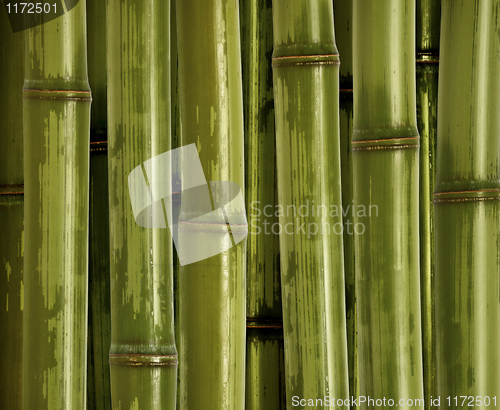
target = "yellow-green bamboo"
x: 427, y: 59
x: 212, y: 291
x: 56, y: 170
x: 343, y: 27
x: 11, y: 215
x: 306, y: 91
x: 143, y: 356
x: 265, y: 378
x: 467, y: 206
x: 386, y: 198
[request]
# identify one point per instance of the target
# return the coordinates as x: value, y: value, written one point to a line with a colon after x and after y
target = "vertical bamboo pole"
x: 176, y: 131
x: 467, y: 207
x: 143, y: 356
x: 56, y: 169
x: 306, y: 91
x: 343, y: 27
x: 212, y: 291
x: 11, y: 216
x: 427, y: 58
x: 385, y: 164
x: 265, y: 379
x: 99, y: 337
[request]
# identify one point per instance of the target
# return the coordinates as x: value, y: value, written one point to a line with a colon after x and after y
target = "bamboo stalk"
x: 343, y: 22
x: 143, y: 356
x: 56, y: 168
x: 265, y: 387
x: 466, y: 203
x: 176, y: 136
x: 11, y: 216
x: 385, y: 165
x: 427, y: 44
x: 306, y: 91
x: 99, y: 329
x: 212, y: 291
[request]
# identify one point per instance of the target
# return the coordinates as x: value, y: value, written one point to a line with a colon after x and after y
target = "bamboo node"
x: 137, y: 359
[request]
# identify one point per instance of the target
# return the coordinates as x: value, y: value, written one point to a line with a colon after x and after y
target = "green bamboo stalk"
x: 143, y: 356
x: 56, y: 168
x: 99, y: 329
x: 427, y: 45
x: 212, y: 291
x: 265, y: 378
x: 386, y: 195
x: 265, y: 387
x: 306, y: 91
x: 176, y: 135
x: 11, y: 216
x: 343, y: 22
x: 466, y: 203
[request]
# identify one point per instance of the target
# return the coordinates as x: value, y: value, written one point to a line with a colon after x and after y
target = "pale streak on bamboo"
x: 56, y: 168
x: 467, y: 202
x: 306, y: 91
x: 428, y: 22
x: 385, y: 165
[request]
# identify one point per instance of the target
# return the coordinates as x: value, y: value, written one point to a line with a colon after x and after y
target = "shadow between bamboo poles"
x: 343, y: 35
x: 212, y: 291
x: 99, y: 321
x: 11, y: 215
x: 386, y: 182
x: 467, y: 203
x: 428, y: 20
x: 56, y: 169
x: 265, y: 378
x: 143, y: 356
x: 306, y: 91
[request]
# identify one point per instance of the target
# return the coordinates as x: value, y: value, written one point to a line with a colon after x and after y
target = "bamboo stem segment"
x: 466, y: 202
x: 143, y: 356
x: 306, y: 91
x: 343, y: 26
x: 386, y: 175
x: 427, y: 58
x: 212, y: 291
x: 265, y: 387
x: 56, y: 168
x: 11, y: 216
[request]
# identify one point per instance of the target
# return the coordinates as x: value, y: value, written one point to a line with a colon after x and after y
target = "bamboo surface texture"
x: 306, y: 92
x: 99, y: 329
x: 427, y: 60
x: 265, y: 378
x: 386, y: 176
x: 11, y: 216
x: 343, y: 35
x: 466, y: 202
x: 143, y: 356
x: 212, y: 291
x: 56, y: 169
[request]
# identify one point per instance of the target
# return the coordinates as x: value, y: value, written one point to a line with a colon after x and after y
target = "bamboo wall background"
x: 97, y: 312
